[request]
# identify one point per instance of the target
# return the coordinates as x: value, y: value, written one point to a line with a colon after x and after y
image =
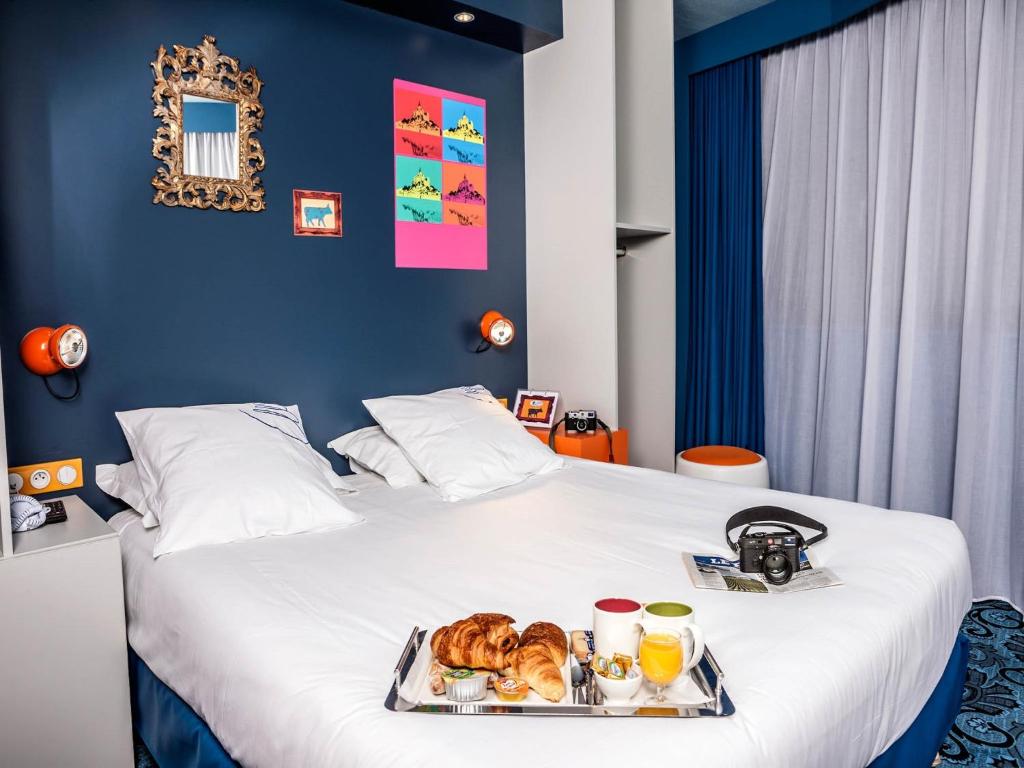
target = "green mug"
x: 677, y: 617
x: 669, y: 610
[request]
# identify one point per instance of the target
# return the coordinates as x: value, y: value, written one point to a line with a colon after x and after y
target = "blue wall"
x: 189, y: 306
x: 774, y: 24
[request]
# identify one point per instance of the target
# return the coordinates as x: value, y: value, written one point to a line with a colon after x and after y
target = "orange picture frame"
x: 536, y: 408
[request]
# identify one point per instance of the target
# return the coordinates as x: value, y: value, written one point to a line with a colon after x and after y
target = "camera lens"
x: 776, y: 568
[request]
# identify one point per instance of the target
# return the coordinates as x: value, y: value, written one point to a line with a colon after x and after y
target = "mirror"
x: 209, y: 110
x: 211, y: 137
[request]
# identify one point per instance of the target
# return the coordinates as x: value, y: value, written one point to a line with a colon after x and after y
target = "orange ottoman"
x: 724, y: 463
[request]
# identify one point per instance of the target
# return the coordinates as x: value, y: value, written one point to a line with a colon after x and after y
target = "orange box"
x: 593, y: 447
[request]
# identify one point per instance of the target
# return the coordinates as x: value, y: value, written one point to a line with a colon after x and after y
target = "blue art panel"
x: 452, y: 112
x: 417, y: 177
x: 456, y: 151
x: 420, y: 211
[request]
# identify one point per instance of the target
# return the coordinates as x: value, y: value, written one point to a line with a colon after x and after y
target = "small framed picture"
x: 316, y: 213
x: 535, y: 408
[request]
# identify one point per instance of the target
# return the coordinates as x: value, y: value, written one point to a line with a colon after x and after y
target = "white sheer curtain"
x: 893, y: 153
x: 211, y: 153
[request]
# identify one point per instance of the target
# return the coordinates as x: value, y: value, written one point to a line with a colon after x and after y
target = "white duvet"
x: 285, y: 646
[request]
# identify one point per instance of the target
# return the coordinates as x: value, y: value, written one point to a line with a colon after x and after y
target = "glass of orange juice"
x: 661, y: 659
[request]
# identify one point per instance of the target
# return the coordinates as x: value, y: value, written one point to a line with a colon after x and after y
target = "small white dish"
x: 620, y: 691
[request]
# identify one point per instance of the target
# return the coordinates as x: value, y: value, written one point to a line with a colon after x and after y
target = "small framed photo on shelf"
x: 536, y: 408
x: 316, y: 213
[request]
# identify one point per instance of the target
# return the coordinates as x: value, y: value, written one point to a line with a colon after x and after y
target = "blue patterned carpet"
x: 142, y: 757
x: 988, y: 730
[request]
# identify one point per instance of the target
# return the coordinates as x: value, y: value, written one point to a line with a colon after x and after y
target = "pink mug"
x: 617, y: 626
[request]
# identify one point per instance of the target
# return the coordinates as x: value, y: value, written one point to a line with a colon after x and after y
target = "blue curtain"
x: 723, y: 381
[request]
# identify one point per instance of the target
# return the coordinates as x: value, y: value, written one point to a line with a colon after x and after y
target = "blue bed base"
x: 173, y: 733
x: 178, y: 738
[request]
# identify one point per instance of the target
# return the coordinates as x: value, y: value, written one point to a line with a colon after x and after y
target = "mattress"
x: 285, y: 646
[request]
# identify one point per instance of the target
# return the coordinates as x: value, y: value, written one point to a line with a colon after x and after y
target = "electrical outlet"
x: 47, y: 477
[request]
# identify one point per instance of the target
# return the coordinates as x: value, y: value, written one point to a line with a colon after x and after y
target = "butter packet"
x: 624, y: 661
x: 582, y: 642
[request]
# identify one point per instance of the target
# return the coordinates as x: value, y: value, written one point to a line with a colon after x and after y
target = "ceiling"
x: 694, y: 15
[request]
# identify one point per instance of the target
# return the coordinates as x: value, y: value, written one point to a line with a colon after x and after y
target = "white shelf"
x: 83, y: 525
x: 628, y: 231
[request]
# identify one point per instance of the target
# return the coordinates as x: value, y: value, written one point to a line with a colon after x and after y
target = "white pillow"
x: 219, y: 473
x: 369, y: 448
x: 359, y: 469
x: 122, y: 482
x: 463, y: 441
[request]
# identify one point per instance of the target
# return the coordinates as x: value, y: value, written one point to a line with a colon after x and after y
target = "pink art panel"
x: 435, y: 229
x: 440, y: 246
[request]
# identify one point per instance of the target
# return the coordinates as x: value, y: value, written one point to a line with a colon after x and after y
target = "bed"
x: 284, y: 646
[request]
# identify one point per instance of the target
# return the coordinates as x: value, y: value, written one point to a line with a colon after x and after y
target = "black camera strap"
x: 783, y: 518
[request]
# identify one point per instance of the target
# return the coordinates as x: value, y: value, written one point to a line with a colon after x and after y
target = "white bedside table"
x: 63, y: 655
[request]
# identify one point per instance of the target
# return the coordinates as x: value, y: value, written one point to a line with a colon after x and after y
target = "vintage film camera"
x: 580, y: 422
x: 583, y: 422
x: 774, y: 554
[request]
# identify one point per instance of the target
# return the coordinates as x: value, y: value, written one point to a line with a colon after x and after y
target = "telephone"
x: 582, y: 422
x: 28, y: 513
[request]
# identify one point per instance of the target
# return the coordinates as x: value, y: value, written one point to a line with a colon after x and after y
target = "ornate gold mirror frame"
x: 205, y: 71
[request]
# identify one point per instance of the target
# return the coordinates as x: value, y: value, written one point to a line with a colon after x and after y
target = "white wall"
x: 6, y: 540
x: 645, y: 183
x: 569, y: 102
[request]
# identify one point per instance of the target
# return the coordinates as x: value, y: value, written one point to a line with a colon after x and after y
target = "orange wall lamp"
x: 496, y: 330
x: 46, y: 351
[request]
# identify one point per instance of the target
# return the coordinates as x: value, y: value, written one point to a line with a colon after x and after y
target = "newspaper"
x: 714, y: 572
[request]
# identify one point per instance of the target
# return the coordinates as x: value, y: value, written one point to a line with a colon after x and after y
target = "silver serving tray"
x: 707, y: 675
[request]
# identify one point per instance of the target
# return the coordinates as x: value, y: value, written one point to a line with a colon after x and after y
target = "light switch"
x: 67, y: 474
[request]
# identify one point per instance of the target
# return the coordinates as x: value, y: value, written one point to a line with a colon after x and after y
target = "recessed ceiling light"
x: 464, y: 17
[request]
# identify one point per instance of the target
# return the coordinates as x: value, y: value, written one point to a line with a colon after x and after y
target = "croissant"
x: 538, y: 659
x: 497, y: 628
x: 464, y: 644
x: 550, y: 636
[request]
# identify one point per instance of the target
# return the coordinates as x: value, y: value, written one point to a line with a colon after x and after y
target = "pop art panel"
x: 417, y: 111
x: 440, y: 207
x: 417, y: 145
x: 456, y: 151
x: 417, y: 178
x: 463, y: 184
x: 418, y: 211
